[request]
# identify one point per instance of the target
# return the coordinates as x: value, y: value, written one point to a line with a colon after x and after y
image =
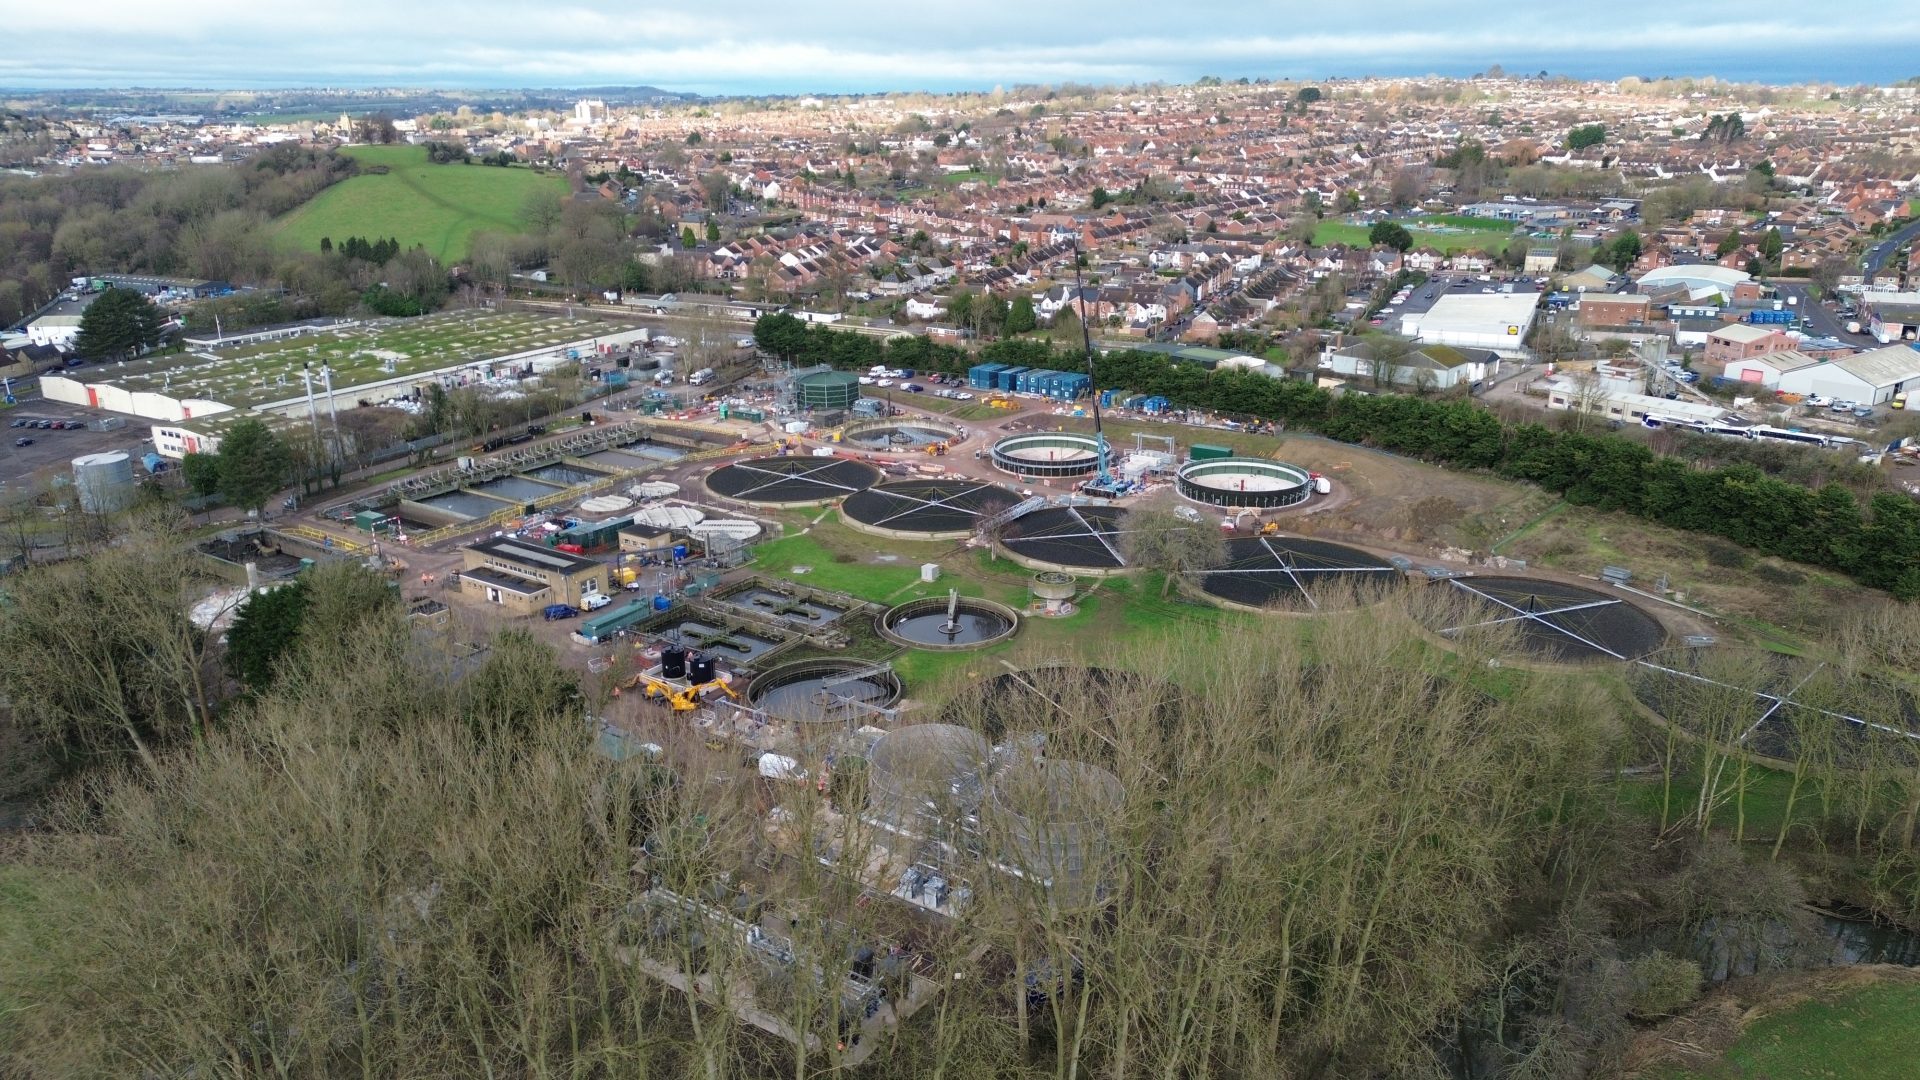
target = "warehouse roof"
x: 1742, y: 334
x: 1883, y: 367
x: 1783, y: 361
x: 1485, y: 313
x: 533, y: 556
x: 1723, y: 278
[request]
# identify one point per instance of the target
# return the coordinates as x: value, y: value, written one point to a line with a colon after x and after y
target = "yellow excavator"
x: 682, y: 697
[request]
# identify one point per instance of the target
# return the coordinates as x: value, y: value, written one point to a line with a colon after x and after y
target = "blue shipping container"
x: 1006, y: 377
x: 980, y: 376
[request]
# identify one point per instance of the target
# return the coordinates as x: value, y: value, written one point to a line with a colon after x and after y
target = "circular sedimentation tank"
x: 943, y: 509
x: 823, y: 691
x: 1294, y: 573
x: 1244, y: 482
x: 948, y: 624
x: 1077, y: 539
x: 1555, y: 621
x: 925, y: 776
x: 1047, y: 454
x: 904, y: 436
x: 827, y: 390
x: 1045, y: 699
x: 791, y: 481
x: 1053, y: 817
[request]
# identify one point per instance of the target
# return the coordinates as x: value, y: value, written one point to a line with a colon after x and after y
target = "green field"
x: 1111, y: 613
x: 437, y: 206
x: 1863, y: 1034
x: 1489, y: 240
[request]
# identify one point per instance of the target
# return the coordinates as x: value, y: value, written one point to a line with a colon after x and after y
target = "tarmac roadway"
x: 1821, y: 320
x: 1877, y: 255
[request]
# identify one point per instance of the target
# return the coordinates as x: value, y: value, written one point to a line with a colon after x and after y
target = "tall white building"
x: 589, y: 110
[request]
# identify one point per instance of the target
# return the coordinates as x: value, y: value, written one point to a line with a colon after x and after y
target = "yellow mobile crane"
x: 683, y: 697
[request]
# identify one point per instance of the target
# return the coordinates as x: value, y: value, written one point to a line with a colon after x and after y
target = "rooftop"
x: 1742, y: 334
x: 252, y: 375
x: 1884, y: 367
x: 536, y: 556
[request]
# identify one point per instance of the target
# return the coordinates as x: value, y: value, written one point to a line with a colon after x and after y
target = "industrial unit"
x: 525, y: 577
x: 1498, y: 322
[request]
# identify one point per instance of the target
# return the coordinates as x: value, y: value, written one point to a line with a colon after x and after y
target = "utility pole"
x: 1093, y: 385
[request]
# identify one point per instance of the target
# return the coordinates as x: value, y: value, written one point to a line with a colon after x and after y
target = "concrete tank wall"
x: 104, y: 482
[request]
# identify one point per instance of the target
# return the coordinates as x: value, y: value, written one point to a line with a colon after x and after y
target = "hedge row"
x: 1879, y: 546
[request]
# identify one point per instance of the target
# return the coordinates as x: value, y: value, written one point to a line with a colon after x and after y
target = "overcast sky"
x: 797, y: 46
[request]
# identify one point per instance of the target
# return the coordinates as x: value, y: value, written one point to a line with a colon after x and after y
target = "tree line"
x: 1877, y: 545
x: 359, y: 247
x: 1336, y: 857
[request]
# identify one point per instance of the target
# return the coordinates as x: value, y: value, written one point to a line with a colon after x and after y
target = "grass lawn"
x: 1862, y: 1033
x: 1339, y: 232
x: 1766, y: 801
x: 438, y: 206
x: 1110, y: 614
x: 1467, y: 221
x: 968, y: 176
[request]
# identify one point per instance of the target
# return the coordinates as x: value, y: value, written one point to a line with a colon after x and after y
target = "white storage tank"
x: 104, y: 482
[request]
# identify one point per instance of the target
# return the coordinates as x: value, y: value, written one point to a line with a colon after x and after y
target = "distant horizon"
x: 775, y: 47
x: 1764, y: 73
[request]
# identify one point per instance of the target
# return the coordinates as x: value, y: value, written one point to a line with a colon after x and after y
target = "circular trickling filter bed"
x: 948, y: 623
x: 1085, y: 538
x: 1778, y: 706
x: 1555, y: 621
x: 931, y: 509
x: 1293, y: 573
x: 821, y: 691
x: 792, y: 481
x: 1039, y: 701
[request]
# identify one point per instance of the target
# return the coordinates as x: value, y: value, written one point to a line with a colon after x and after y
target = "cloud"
x: 828, y: 45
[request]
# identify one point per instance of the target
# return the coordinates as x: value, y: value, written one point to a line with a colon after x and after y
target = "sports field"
x: 1451, y: 233
x: 438, y: 206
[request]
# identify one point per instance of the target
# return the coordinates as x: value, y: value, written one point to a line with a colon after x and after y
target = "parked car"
x: 560, y: 611
x: 912, y: 387
x: 1862, y: 412
x: 1819, y: 401
x: 20, y: 423
x: 23, y: 441
x: 1844, y: 405
x: 594, y: 601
